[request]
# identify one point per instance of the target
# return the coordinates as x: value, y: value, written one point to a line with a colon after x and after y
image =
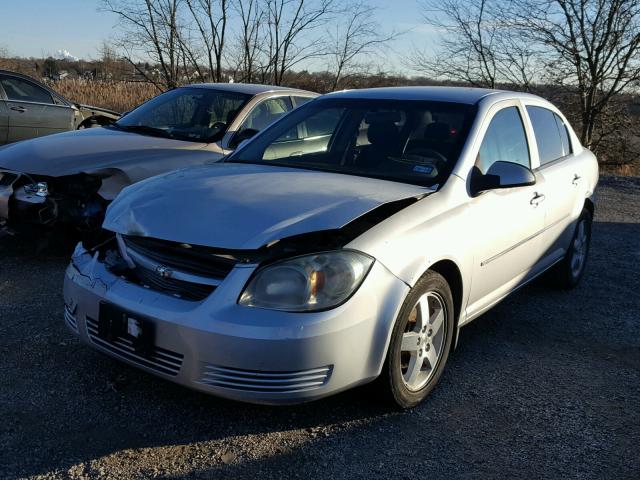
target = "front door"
x: 505, y: 223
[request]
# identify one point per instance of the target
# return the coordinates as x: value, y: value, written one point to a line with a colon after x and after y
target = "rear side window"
x: 22, y: 90
x: 564, y: 135
x: 301, y: 100
x: 505, y: 141
x: 266, y: 112
x: 551, y: 134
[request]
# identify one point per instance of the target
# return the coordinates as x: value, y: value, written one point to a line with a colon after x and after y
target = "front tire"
x: 420, y: 342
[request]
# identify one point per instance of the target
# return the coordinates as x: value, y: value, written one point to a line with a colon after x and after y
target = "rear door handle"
x: 576, y: 178
x: 19, y: 109
x: 537, y: 198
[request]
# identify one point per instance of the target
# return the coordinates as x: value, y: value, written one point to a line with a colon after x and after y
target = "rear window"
x: 551, y: 134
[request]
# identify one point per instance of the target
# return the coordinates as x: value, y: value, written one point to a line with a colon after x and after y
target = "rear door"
x: 505, y: 224
x: 33, y: 111
x: 560, y: 169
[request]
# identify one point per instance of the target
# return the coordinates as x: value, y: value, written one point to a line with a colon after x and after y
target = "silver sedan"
x: 348, y: 242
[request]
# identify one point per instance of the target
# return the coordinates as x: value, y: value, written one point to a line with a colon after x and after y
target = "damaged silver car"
x: 350, y: 241
x: 68, y: 179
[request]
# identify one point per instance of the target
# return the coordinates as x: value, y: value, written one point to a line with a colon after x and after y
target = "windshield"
x: 188, y: 113
x: 412, y: 141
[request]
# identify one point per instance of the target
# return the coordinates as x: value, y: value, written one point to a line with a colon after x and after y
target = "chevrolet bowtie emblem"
x: 163, y: 271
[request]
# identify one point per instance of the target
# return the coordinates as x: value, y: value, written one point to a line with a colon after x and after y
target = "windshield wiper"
x: 145, y: 129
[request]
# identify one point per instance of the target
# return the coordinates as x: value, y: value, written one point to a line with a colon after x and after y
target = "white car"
x: 349, y: 241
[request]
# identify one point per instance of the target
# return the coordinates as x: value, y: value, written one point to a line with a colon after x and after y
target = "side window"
x: 297, y: 101
x: 22, y: 90
x: 551, y: 145
x: 564, y: 135
x: 504, y: 141
x: 266, y: 112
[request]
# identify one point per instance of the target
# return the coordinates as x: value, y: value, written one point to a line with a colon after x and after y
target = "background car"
x: 70, y: 178
x: 349, y: 241
x: 30, y: 109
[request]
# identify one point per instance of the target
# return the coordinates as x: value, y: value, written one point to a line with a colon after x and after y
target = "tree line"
x: 247, y: 40
x: 583, y: 55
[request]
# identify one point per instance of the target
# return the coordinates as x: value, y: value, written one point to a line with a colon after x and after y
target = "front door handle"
x: 576, y: 178
x: 19, y: 109
x: 537, y: 199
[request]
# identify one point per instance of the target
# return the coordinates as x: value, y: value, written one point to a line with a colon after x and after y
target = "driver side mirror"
x: 241, y: 136
x: 501, y: 175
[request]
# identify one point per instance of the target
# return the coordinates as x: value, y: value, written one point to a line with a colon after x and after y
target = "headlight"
x: 307, y: 283
x: 41, y: 189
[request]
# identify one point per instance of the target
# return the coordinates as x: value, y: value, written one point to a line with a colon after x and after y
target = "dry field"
x: 118, y: 96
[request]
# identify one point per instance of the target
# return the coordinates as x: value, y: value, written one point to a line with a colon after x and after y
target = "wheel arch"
x: 590, y: 206
x: 94, y: 120
x: 452, y: 274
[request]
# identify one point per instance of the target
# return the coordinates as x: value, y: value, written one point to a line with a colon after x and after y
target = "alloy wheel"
x: 423, y: 340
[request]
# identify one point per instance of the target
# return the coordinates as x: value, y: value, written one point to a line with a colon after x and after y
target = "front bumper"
x: 243, y: 353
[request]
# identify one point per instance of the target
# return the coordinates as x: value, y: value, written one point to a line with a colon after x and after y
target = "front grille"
x: 171, y: 286
x: 161, y: 360
x: 186, y: 258
x: 195, y: 271
x: 265, y: 382
x: 70, y: 319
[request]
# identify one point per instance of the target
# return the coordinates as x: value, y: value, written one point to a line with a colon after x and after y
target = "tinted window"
x: 22, y: 90
x: 504, y: 141
x: 407, y: 141
x: 564, y: 135
x: 195, y: 114
x: 266, y: 112
x: 548, y: 135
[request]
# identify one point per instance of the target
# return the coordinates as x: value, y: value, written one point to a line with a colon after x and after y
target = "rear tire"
x: 420, y: 344
x: 569, y: 271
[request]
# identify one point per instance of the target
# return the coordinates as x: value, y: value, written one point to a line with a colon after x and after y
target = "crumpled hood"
x: 244, y: 206
x: 93, y: 149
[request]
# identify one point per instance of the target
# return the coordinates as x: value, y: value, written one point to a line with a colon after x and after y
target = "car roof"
x: 467, y: 95
x: 248, y: 88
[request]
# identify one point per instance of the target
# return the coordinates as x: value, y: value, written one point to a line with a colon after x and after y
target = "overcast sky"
x: 78, y: 27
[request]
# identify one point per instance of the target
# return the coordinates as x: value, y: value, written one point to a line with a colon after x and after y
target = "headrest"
x: 437, y: 131
x: 383, y: 134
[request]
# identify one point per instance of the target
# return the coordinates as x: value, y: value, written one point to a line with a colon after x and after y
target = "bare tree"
x: 151, y: 31
x: 251, y: 14
x: 358, y: 35
x: 290, y: 25
x: 210, y: 18
x: 592, y: 46
x: 477, y: 45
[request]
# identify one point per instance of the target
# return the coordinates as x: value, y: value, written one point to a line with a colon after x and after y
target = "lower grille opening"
x: 265, y: 381
x: 70, y: 319
x: 161, y: 360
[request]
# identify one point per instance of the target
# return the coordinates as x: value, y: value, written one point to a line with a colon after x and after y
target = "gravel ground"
x: 547, y: 384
